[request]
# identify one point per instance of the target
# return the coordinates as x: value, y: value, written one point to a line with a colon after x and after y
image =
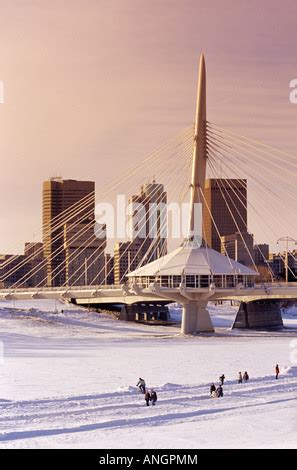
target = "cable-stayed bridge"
x: 122, y: 294
x: 193, y: 273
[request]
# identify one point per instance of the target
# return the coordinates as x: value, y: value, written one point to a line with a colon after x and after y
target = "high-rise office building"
x: 109, y: 269
x: 225, y: 210
x: 84, y: 255
x: 239, y: 246
x: 74, y: 255
x: 127, y: 257
x: 34, y: 252
x: 148, y: 224
x: 261, y: 254
x: 26, y: 270
x: 13, y: 270
x: 277, y: 262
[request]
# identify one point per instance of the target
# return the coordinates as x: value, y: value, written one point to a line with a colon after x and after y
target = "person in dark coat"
x: 153, y: 397
x: 222, y: 378
x: 212, y: 388
x: 220, y: 391
x: 147, y: 397
x: 141, y: 385
x: 239, y: 377
x: 246, y: 376
x: 276, y: 371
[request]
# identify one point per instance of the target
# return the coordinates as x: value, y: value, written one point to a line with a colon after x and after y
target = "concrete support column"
x: 259, y: 314
x: 195, y: 318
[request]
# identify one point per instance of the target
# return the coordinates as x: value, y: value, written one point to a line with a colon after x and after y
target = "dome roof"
x: 192, y: 260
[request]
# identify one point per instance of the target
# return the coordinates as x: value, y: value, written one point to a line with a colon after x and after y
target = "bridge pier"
x: 255, y: 314
x: 196, y: 318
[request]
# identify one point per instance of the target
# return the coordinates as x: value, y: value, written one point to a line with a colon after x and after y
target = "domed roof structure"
x: 189, y: 259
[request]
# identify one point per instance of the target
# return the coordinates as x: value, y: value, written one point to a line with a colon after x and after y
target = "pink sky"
x: 93, y: 85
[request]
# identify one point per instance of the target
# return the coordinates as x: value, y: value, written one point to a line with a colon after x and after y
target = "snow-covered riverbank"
x: 68, y: 380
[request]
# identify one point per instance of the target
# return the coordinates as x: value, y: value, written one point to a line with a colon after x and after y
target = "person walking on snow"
x: 212, y: 389
x: 141, y: 385
x: 147, y: 397
x: 246, y: 377
x: 153, y: 397
x: 222, y: 379
x: 276, y: 371
x: 220, y: 391
x: 239, y: 377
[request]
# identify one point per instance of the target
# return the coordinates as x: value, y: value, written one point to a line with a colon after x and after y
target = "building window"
x: 190, y: 281
x: 204, y: 281
x: 176, y: 280
x: 218, y: 281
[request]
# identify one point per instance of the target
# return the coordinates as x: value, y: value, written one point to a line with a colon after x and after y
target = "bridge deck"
x: 121, y: 294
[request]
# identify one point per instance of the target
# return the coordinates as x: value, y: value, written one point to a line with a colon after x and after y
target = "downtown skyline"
x: 118, y: 79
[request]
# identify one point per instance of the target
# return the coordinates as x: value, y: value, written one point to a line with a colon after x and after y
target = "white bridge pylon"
x: 193, y: 273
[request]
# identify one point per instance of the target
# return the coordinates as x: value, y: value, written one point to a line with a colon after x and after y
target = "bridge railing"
x: 95, y: 288
x: 266, y: 285
x: 62, y: 289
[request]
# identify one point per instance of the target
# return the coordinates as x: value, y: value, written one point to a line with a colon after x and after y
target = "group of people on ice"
x: 217, y: 392
x: 149, y: 396
x: 245, y: 377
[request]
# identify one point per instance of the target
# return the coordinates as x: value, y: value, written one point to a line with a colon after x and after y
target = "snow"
x: 68, y: 381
